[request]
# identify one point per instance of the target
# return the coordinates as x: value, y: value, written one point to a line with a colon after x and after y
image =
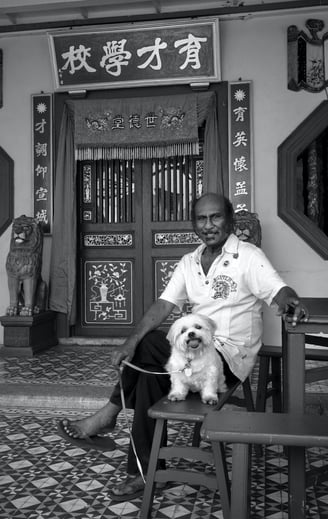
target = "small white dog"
x: 194, y: 364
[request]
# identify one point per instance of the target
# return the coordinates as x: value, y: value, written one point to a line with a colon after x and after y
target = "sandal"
x: 131, y: 488
x: 100, y: 443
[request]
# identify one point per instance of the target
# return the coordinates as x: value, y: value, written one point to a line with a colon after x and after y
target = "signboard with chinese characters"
x: 42, y: 159
x: 137, y: 55
x: 240, y: 146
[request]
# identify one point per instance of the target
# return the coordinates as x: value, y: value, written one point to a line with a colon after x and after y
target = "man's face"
x: 210, y: 221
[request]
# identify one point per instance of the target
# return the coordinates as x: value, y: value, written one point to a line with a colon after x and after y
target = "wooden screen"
x: 175, y: 182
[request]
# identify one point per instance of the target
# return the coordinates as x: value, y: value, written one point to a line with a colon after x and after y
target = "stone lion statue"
x: 247, y: 227
x: 27, y: 290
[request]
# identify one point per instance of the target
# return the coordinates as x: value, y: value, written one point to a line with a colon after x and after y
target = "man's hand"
x: 290, y: 306
x: 154, y: 316
x: 124, y: 352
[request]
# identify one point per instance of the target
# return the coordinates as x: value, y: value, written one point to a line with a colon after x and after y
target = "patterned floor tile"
x: 44, y: 477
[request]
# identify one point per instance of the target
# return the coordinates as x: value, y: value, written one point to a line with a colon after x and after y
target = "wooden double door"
x: 133, y: 227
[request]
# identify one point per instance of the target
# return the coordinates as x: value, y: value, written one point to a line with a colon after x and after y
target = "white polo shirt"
x: 231, y: 294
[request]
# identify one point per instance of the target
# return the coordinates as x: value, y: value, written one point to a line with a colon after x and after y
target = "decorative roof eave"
x: 156, y: 12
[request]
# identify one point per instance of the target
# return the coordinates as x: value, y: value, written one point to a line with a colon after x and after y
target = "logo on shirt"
x: 223, y: 286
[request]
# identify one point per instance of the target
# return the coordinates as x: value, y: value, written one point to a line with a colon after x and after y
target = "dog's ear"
x: 171, y: 334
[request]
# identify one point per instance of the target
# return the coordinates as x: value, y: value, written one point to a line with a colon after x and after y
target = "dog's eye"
x: 183, y: 330
x: 198, y: 327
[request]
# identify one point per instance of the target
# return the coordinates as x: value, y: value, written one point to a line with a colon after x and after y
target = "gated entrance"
x: 132, y: 210
x: 133, y: 227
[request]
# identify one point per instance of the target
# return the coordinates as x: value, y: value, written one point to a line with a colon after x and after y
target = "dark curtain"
x: 63, y: 255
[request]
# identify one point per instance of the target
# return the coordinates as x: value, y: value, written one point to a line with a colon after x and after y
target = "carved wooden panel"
x: 108, y: 292
x: 307, y: 54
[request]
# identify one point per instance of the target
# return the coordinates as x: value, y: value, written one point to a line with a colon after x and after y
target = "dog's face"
x: 192, y: 332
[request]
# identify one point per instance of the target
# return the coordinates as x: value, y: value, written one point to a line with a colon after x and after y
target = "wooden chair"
x: 244, y: 429
x: 192, y: 411
x: 269, y: 375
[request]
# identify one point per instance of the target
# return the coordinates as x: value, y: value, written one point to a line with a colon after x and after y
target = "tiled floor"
x: 44, y: 477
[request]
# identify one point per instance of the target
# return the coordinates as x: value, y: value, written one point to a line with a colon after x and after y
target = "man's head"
x: 212, y: 218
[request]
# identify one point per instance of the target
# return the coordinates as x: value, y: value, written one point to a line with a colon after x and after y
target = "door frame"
x: 64, y: 329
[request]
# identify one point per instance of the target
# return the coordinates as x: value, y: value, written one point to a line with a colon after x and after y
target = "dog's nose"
x: 191, y: 335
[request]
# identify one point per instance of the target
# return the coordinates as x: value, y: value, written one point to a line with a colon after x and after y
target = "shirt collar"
x: 230, y: 247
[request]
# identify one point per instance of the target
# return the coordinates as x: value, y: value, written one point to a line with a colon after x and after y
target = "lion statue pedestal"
x: 27, y: 324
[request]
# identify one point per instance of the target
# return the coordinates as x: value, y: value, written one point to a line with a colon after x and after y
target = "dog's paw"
x: 176, y: 397
x: 223, y: 388
x: 210, y: 400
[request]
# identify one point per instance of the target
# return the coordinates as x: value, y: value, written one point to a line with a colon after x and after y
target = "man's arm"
x: 154, y: 316
x: 290, y: 306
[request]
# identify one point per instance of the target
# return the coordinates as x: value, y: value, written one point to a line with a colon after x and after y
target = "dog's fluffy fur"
x: 194, y: 364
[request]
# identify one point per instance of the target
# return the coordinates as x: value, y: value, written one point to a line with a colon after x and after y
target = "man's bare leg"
x: 104, y: 418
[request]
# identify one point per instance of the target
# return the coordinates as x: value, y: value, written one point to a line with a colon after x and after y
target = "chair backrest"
x: 247, y: 227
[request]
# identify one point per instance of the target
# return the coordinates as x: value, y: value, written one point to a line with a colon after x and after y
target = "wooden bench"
x: 269, y: 376
x: 243, y: 429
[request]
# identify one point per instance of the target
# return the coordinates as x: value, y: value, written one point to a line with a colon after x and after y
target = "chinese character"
x: 240, y: 113
x: 191, y: 47
x: 134, y: 121
x: 240, y: 164
x: 41, y: 170
x: 115, y: 57
x: 118, y: 122
x: 76, y: 59
x: 154, y: 54
x: 240, y: 139
x: 241, y: 207
x: 41, y: 194
x: 241, y: 188
x: 150, y: 119
x: 41, y: 149
x: 39, y: 127
x: 42, y: 216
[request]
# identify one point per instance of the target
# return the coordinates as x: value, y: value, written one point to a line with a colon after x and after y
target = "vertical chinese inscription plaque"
x: 42, y: 159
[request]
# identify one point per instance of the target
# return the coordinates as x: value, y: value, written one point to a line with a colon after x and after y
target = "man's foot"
x: 131, y: 488
x: 81, y: 429
x: 101, y: 443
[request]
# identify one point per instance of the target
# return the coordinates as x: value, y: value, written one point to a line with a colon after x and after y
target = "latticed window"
x: 108, y: 189
x: 175, y: 182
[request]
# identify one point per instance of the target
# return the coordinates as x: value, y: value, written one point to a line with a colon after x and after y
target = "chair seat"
x: 190, y: 410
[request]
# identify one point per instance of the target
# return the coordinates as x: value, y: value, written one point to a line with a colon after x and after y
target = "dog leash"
x: 133, y: 366
x: 129, y: 429
x: 150, y: 372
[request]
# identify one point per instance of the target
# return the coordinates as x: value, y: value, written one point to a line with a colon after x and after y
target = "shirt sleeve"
x: 263, y: 280
x: 175, y: 290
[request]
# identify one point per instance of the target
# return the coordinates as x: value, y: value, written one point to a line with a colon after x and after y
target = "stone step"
x: 29, y: 392
x: 53, y: 396
x: 90, y: 396
x: 91, y: 341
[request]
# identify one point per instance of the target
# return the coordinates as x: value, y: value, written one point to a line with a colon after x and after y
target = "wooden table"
x: 293, y: 342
